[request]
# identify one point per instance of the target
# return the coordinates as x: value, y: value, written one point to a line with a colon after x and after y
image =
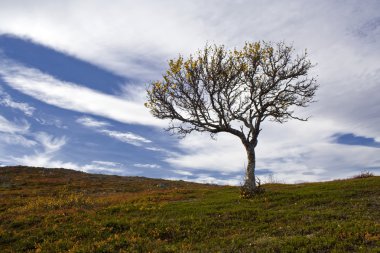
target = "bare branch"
x: 217, y: 90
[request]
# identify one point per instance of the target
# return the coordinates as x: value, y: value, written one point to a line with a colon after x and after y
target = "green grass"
x: 57, y: 210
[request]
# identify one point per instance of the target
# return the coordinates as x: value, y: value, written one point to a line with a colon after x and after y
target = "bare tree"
x: 234, y: 91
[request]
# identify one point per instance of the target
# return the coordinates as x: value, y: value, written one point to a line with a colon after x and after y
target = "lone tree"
x: 234, y: 91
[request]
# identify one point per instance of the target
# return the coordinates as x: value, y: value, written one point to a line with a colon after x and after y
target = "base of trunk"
x: 249, y: 189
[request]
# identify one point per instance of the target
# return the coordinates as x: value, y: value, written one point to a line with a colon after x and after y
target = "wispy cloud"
x: 11, y: 127
x: 147, y: 165
x: 92, y: 123
x: 89, y: 168
x: 50, y: 143
x: 164, y: 151
x: 100, y: 126
x: 207, y: 179
x: 126, y: 137
x: 13, y: 133
x: 6, y: 100
x: 47, y: 161
x: 50, y: 121
x: 107, y: 163
x: 16, y: 139
x: 183, y: 172
x: 155, y: 149
x: 60, y: 93
x: 44, y: 155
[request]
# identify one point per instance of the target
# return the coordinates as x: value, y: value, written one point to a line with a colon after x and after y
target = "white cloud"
x: 155, y: 149
x: 225, y: 154
x: 51, y: 121
x: 99, y: 126
x: 11, y: 127
x: 115, y: 43
x: 16, y: 139
x: 165, y: 28
x: 207, y: 179
x: 126, y: 137
x: 183, y: 172
x: 59, y: 93
x: 46, y: 157
x: 49, y: 161
x: 6, y: 100
x: 90, y: 168
x: 106, y: 163
x: 307, y: 156
x: 167, y: 152
x: 50, y: 143
x: 12, y: 133
x: 147, y: 165
x: 90, y: 122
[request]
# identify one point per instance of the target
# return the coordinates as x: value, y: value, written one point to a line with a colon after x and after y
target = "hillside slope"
x: 57, y: 210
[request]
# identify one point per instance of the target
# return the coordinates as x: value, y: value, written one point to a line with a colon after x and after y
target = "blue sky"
x: 73, y: 77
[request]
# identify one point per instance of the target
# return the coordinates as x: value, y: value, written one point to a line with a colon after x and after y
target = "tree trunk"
x: 250, y: 179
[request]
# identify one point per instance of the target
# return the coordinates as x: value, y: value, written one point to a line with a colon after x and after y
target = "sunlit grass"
x: 45, y: 210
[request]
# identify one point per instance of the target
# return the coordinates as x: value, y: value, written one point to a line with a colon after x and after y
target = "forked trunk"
x: 250, y: 179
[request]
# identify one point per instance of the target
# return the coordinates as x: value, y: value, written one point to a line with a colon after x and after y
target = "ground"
x: 58, y: 210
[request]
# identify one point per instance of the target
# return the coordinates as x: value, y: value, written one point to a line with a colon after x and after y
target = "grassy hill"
x: 58, y: 210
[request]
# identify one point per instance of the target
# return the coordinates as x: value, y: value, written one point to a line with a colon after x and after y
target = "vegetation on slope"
x: 57, y: 210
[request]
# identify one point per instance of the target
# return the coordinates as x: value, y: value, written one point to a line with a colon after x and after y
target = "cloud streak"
x: 49, y: 147
x: 12, y: 133
x: 147, y: 165
x: 72, y: 96
x: 11, y: 127
x: 100, y: 127
x: 43, y: 156
x: 91, y: 123
x: 6, y: 100
x: 126, y: 137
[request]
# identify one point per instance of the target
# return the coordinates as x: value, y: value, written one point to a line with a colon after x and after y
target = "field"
x: 58, y: 210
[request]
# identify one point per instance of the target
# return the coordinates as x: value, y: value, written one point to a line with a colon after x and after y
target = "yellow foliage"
x: 176, y: 65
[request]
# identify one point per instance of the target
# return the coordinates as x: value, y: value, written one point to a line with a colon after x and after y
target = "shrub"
x: 364, y: 174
